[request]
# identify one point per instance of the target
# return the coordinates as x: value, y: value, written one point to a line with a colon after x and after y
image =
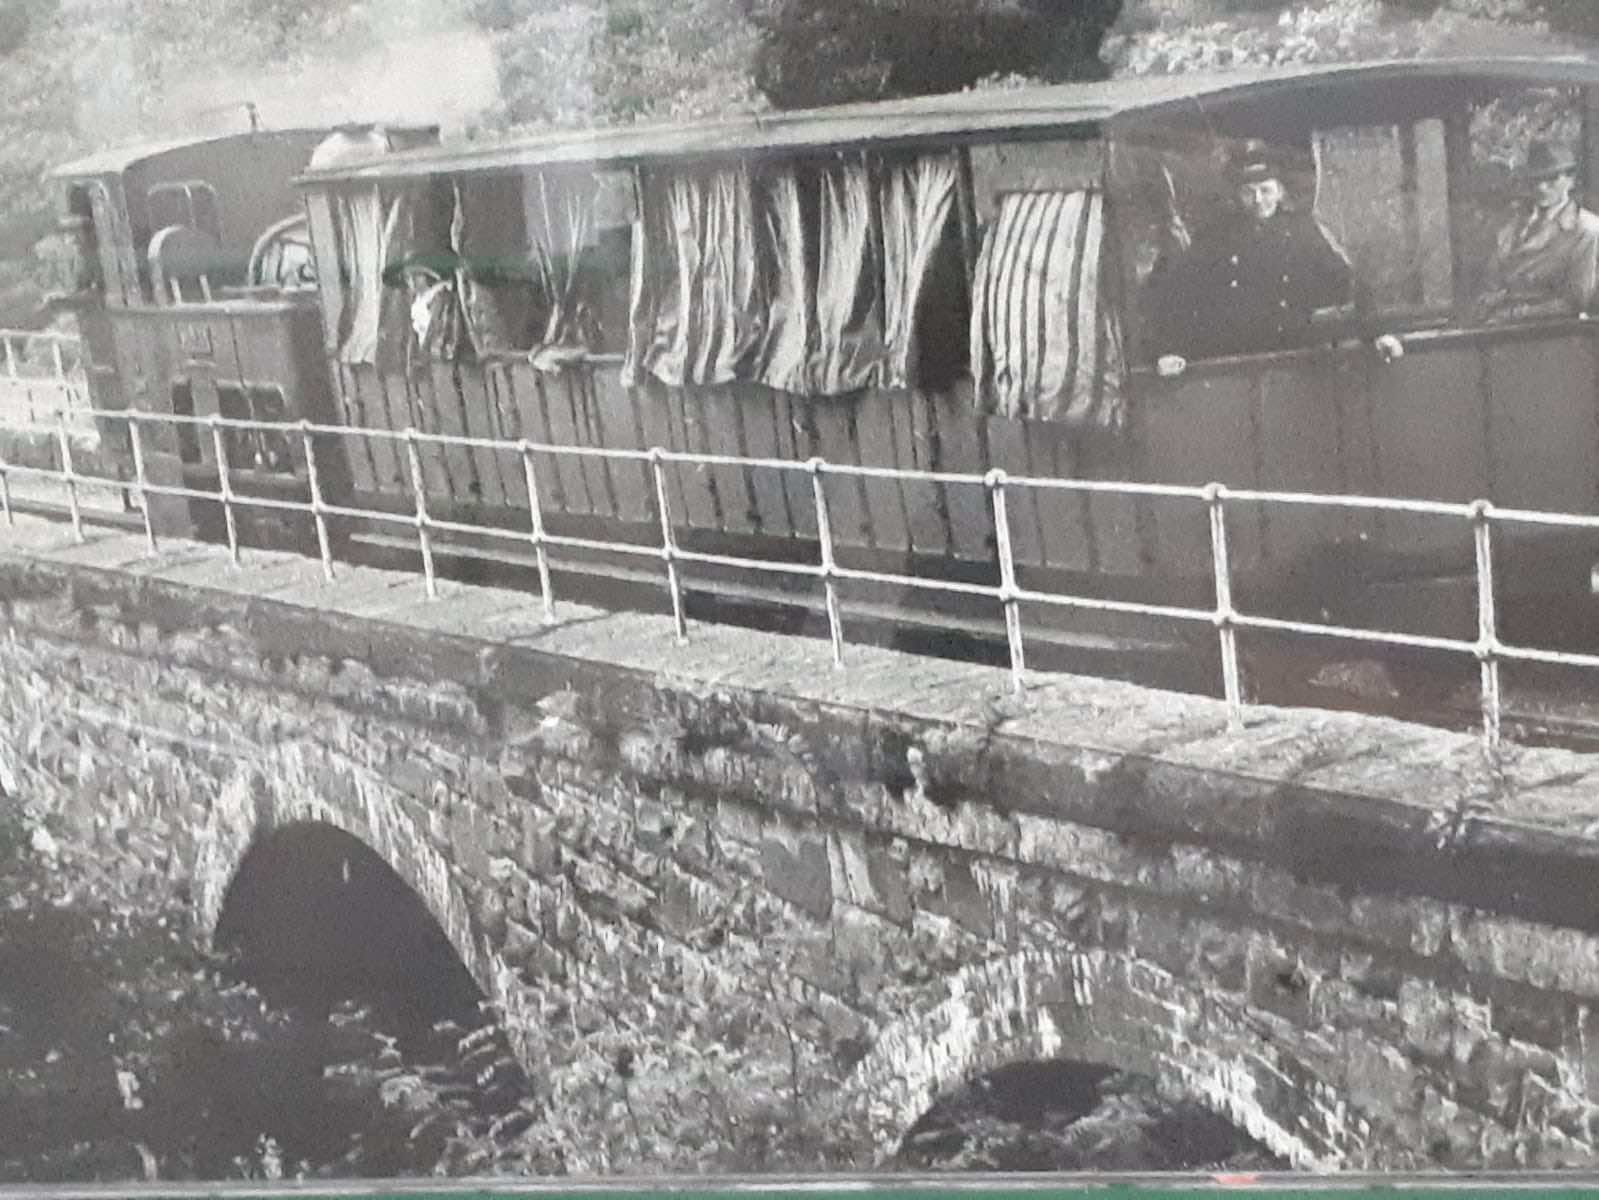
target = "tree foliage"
x: 816, y: 52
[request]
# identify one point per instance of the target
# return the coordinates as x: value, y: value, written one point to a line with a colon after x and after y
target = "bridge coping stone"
x: 1415, y: 772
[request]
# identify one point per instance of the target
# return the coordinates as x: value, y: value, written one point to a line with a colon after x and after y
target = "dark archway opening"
x: 1064, y: 1115
x: 350, y: 1038
x: 314, y: 918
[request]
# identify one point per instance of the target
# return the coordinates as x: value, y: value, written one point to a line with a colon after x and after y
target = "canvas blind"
x: 1043, y: 343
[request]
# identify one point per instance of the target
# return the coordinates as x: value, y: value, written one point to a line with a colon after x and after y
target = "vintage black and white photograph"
x: 614, y: 589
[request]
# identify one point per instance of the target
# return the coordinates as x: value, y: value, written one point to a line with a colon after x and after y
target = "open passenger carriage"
x: 952, y: 284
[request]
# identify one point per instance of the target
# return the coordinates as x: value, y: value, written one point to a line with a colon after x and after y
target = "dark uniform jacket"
x: 1246, y: 286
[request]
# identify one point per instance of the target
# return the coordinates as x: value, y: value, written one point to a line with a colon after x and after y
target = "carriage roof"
x: 964, y: 116
x: 118, y: 160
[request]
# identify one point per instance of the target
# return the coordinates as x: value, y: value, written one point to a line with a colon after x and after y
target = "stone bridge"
x: 1360, y: 941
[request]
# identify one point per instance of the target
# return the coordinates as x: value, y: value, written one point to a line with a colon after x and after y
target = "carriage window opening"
x: 190, y: 202
x: 1226, y: 253
x: 530, y: 262
x: 1528, y: 238
x: 255, y: 449
x: 188, y: 436
x: 1382, y: 194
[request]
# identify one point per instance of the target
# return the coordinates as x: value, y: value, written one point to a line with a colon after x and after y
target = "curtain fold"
x: 373, y: 227
x: 847, y: 352
x: 1043, y: 343
x: 917, y: 200
x: 698, y: 300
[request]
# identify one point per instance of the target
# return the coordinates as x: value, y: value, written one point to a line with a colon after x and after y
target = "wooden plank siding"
x: 525, y: 398
x: 1509, y: 417
x: 629, y: 483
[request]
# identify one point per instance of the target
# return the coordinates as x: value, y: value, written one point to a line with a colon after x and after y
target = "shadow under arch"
x: 315, y: 917
x: 1097, y: 1006
x: 300, y: 784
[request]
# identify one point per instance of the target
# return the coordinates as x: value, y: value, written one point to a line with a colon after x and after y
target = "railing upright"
x: 219, y: 447
x: 668, y: 544
x: 5, y: 492
x: 824, y: 536
x: 424, y: 535
x: 1487, y: 624
x: 141, y: 482
x: 55, y: 357
x: 1008, y: 591
x: 536, y: 518
x: 1226, y: 618
x: 318, y: 507
x: 68, y: 475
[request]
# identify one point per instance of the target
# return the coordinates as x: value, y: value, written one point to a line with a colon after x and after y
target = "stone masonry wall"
x: 675, y: 886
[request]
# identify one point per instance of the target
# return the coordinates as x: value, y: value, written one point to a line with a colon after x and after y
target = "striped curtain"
x: 1042, y: 343
x: 697, y: 296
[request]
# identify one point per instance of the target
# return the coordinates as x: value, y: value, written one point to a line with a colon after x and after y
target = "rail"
x: 1488, y: 648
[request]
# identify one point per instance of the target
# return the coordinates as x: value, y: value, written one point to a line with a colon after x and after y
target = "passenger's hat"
x: 1545, y: 160
x: 1255, y: 161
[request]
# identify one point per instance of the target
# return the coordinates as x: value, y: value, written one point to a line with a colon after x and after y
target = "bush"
x: 828, y: 51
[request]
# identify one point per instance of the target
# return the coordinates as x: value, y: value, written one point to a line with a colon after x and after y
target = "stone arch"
x: 1107, y: 1007
x: 300, y: 784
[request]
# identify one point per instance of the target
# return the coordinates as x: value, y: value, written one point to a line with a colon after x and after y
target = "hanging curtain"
x: 806, y: 278
x: 784, y: 357
x: 1042, y: 344
x: 917, y: 199
x: 697, y: 311
x: 372, y: 226
x: 822, y: 272
x: 848, y: 351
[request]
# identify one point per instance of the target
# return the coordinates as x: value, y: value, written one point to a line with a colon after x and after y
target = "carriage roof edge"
x: 923, y: 119
x: 118, y: 160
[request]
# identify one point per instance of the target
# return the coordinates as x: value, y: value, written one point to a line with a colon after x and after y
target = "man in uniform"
x: 1546, y: 257
x: 1253, y: 282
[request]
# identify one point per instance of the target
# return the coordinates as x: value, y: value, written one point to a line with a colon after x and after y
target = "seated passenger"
x: 1546, y: 257
x: 1250, y: 283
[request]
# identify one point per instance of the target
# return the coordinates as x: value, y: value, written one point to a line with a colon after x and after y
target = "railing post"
x: 824, y: 535
x: 1487, y: 624
x: 55, y: 357
x: 11, y: 357
x: 424, y: 536
x: 1232, y: 684
x: 5, y: 492
x: 68, y: 476
x: 317, y: 512
x: 668, y: 544
x: 140, y: 482
x: 219, y: 446
x: 536, y: 516
x: 1008, y: 591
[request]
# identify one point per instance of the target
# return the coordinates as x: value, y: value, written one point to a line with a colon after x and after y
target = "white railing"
x: 42, y: 373
x: 1488, y: 648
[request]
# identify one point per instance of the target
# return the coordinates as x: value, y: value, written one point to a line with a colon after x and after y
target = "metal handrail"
x: 1488, y: 648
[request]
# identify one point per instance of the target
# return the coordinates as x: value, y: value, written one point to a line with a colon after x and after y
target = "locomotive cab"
x: 190, y: 272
